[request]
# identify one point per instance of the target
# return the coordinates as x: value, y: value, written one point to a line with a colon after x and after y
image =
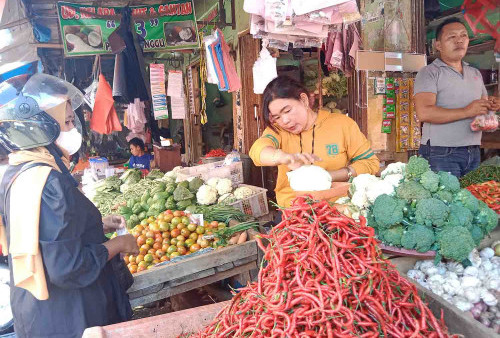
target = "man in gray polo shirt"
x: 448, y: 95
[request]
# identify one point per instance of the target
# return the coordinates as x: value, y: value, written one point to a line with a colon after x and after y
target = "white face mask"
x: 71, y: 141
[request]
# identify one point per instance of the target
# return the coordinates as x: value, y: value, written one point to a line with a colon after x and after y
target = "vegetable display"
x: 475, y: 288
x: 412, y: 207
x: 325, y: 277
x: 488, y: 192
x: 216, y: 153
x: 482, y: 174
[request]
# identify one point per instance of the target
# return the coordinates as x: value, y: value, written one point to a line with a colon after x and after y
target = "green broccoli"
x: 412, y: 191
x: 467, y: 199
x: 444, y: 195
x: 418, y: 237
x: 448, y: 182
x: 455, y: 243
x: 387, y: 211
x: 460, y: 216
x: 430, y: 181
x: 477, y: 234
x: 416, y: 167
x: 486, y: 218
x: 195, y: 184
x: 431, y: 211
x: 392, y: 235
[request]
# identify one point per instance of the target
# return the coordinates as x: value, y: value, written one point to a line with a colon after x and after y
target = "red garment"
x: 104, y: 118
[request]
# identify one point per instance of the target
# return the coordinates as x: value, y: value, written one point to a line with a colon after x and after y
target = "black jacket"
x: 83, y: 288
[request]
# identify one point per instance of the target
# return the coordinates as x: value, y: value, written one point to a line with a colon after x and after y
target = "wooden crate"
x: 191, y: 273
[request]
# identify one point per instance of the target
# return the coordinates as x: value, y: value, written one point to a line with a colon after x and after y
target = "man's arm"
x: 427, y: 111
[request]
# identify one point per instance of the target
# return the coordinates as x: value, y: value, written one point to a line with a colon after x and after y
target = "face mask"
x: 71, y: 141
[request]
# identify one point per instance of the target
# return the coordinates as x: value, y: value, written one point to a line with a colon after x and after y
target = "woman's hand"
x: 112, y: 223
x: 121, y: 244
x: 294, y: 161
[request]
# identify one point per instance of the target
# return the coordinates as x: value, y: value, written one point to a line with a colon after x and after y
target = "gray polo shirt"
x: 453, y: 90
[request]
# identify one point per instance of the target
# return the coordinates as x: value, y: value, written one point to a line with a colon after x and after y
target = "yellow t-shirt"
x: 337, y: 141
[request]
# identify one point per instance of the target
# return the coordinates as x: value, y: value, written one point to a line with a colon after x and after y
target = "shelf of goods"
x: 194, y: 272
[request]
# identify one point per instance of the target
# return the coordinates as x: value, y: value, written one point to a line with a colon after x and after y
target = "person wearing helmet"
x: 64, y: 272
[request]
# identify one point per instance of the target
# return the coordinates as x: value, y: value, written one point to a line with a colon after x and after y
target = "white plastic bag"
x: 487, y: 123
x: 264, y: 71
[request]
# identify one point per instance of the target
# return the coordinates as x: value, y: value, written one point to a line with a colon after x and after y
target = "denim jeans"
x: 455, y: 160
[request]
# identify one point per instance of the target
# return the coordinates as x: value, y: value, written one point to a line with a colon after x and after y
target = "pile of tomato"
x: 169, y: 235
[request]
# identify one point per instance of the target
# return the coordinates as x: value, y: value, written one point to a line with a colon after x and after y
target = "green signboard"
x: 170, y: 26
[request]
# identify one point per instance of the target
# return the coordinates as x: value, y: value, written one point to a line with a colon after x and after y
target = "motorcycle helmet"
x: 33, y: 110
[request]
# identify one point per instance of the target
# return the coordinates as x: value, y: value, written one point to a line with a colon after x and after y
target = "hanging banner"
x: 158, y: 93
x: 85, y: 29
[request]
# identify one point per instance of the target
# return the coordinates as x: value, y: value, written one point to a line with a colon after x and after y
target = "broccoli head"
x: 431, y: 211
x: 448, y: 182
x: 418, y: 237
x: 392, y: 235
x: 387, y: 211
x: 477, y: 234
x: 416, y: 167
x: 486, y: 218
x: 455, y: 243
x: 430, y: 181
x: 460, y: 216
x: 444, y: 195
x: 412, y: 191
x: 467, y: 199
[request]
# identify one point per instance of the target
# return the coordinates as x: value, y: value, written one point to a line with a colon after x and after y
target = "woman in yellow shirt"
x: 296, y: 135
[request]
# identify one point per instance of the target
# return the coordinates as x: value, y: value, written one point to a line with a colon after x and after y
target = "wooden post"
x: 320, y: 80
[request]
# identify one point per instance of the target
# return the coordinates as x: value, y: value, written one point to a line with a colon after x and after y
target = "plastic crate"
x: 255, y: 205
x: 233, y: 171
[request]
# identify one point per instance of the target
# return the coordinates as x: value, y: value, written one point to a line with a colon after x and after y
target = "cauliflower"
x: 360, y: 200
x: 398, y: 168
x: 224, y: 186
x: 394, y: 179
x: 213, y: 182
x: 243, y: 192
x: 309, y: 178
x: 227, y: 199
x: 206, y: 195
x: 378, y: 188
x: 362, y: 182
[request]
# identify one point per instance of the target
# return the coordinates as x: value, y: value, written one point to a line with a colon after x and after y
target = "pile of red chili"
x: 325, y: 278
x: 216, y: 153
x: 488, y: 192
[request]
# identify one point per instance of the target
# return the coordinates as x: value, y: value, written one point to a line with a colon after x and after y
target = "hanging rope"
x: 203, y: 80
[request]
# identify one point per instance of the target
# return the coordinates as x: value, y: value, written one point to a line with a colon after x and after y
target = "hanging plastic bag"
x: 487, y: 123
x: 90, y: 91
x: 264, y: 71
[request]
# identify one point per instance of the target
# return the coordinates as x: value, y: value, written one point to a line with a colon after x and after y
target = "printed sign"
x: 85, y: 29
x: 158, y: 93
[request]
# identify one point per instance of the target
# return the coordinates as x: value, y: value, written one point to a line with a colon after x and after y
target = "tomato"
x: 133, y: 268
x: 172, y: 226
x: 131, y: 259
x: 191, y: 227
x: 214, y: 224
x: 157, y: 246
x: 178, y: 213
x: 173, y: 241
x: 194, y: 247
x: 189, y: 242
x: 172, y: 249
x: 151, y: 219
x: 182, y: 250
x: 165, y: 235
x: 160, y: 253
x: 163, y: 226
x: 164, y: 258
x: 200, y: 230
x: 143, y: 264
x: 150, y: 267
x: 204, y: 243
x: 180, y: 238
x: 168, y: 218
x: 154, y: 226
x: 125, y: 259
x: 165, y: 246
x: 193, y: 236
x: 146, y: 247
x: 141, y: 240
x: 151, y: 251
x: 141, y: 268
x: 139, y: 227
x: 206, y: 224
x: 185, y: 232
x: 181, y: 244
x: 148, y: 258
x: 143, y: 251
x: 185, y: 220
x: 220, y: 227
x: 160, y: 218
x: 144, y: 222
x: 150, y: 234
x: 139, y: 258
x: 176, y: 220
x: 175, y: 233
x: 198, y: 241
x: 168, y: 212
x: 159, y: 240
x: 150, y: 241
x: 174, y: 254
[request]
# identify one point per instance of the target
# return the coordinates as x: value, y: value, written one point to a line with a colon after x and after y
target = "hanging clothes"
x: 136, y: 120
x: 341, y: 47
x: 104, y: 118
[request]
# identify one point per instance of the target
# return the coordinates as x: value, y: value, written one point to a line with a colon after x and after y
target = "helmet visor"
x: 39, y: 130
